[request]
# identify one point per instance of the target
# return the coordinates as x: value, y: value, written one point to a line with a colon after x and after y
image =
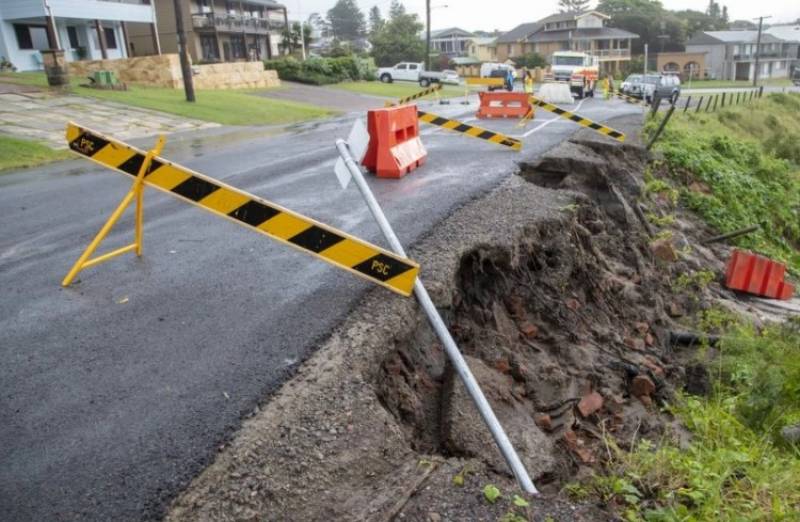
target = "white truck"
x: 580, y: 70
x: 415, y: 72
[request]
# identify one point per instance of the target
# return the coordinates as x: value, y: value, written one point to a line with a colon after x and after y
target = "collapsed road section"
x: 551, y: 287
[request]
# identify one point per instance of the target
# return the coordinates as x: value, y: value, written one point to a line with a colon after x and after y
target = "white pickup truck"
x: 415, y: 72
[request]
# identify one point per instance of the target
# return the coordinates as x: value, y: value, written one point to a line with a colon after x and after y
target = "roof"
x: 592, y: 33
x: 266, y: 3
x: 725, y: 37
x: 455, y: 31
x: 789, y: 33
x: 523, y: 31
x: 483, y: 41
x: 520, y: 32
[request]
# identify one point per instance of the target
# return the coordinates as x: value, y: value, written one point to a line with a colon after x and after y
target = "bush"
x: 530, y: 61
x: 323, y: 71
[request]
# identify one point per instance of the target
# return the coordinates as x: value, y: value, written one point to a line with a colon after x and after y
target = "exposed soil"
x: 561, y: 302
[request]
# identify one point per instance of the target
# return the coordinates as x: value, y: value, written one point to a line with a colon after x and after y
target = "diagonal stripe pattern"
x: 580, y: 120
x: 334, y: 246
x: 629, y: 99
x: 430, y: 90
x: 469, y: 130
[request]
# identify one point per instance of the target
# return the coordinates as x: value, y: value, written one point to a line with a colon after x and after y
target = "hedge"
x: 322, y: 71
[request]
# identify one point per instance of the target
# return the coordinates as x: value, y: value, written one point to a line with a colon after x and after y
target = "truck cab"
x: 580, y: 70
x: 403, y: 71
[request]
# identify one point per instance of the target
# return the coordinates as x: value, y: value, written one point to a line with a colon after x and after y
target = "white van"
x: 488, y: 67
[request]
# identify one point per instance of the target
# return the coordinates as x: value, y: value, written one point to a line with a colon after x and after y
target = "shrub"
x: 323, y: 71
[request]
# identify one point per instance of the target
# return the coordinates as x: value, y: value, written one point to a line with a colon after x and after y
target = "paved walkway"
x: 43, y: 116
x: 328, y: 97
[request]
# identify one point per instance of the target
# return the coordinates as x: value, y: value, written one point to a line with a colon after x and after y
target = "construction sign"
x: 338, y: 248
x: 470, y: 130
x: 580, y: 120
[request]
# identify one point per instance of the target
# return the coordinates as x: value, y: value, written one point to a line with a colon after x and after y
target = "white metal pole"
x: 474, y: 390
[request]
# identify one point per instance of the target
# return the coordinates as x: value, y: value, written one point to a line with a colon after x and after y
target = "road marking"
x: 580, y: 120
x: 338, y: 248
x: 547, y: 122
x: 469, y: 130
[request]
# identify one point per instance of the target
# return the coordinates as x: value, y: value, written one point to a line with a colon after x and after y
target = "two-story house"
x: 584, y: 31
x: 451, y: 42
x: 84, y: 29
x: 731, y: 55
x: 218, y: 30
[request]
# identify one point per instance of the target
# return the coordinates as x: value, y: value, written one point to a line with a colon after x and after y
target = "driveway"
x: 42, y: 116
x: 328, y: 97
x: 117, y: 391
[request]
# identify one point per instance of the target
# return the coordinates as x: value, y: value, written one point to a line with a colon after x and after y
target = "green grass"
x: 718, y: 84
x: 16, y: 153
x: 395, y: 90
x: 736, y: 467
x: 36, y: 79
x: 748, y: 155
x: 228, y: 107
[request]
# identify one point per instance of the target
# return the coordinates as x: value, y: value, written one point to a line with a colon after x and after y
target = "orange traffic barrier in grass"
x: 754, y: 274
x: 395, y: 148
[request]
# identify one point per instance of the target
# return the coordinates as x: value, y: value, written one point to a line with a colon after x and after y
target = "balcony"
x: 761, y: 56
x: 227, y: 23
x: 611, y: 54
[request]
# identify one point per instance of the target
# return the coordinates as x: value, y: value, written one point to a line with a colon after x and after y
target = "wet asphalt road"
x: 117, y: 391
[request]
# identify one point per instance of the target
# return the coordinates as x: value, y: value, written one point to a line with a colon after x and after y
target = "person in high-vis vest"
x: 528, y: 82
x: 606, y: 91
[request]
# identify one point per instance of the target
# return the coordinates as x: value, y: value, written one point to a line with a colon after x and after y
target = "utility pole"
x: 183, y: 52
x: 427, y: 35
x: 645, y: 59
x: 758, y: 47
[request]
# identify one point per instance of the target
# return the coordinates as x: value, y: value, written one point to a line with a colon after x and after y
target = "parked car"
x: 663, y: 86
x: 632, y: 86
x: 414, y: 72
x: 490, y: 67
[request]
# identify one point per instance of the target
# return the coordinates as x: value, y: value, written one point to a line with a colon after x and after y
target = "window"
x: 412, y: 67
x: 31, y: 37
x: 237, y: 47
x: 72, y: 33
x: 402, y: 67
x: 111, y: 37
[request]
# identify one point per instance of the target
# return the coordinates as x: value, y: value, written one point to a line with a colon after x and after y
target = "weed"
x: 694, y: 281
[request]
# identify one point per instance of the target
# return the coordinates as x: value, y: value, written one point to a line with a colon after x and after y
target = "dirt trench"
x: 557, y: 328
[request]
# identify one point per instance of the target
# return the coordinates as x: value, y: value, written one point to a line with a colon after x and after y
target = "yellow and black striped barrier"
x: 334, y: 246
x: 491, y: 82
x: 629, y: 99
x: 417, y: 95
x: 580, y: 120
x: 469, y: 130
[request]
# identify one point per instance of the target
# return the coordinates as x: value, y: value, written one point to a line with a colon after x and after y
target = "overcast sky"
x: 506, y: 14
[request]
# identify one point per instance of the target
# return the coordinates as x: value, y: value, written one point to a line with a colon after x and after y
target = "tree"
x: 290, y: 38
x: 376, y: 21
x: 570, y: 6
x: 398, y: 40
x: 346, y: 20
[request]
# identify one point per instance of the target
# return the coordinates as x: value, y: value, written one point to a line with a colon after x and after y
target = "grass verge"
x: 17, y: 153
x: 736, y: 466
x: 739, y: 167
x: 395, y: 90
x: 719, y: 84
x: 34, y: 78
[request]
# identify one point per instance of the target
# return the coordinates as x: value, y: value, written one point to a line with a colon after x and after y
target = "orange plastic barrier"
x: 395, y: 148
x: 748, y: 272
x: 503, y: 105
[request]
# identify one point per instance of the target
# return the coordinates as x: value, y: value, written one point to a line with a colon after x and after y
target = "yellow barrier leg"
x: 137, y: 193
x: 528, y: 117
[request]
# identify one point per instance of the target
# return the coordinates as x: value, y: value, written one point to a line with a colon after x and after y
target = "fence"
x: 713, y: 101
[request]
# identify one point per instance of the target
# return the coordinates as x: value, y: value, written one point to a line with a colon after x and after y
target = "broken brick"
x: 641, y: 327
x: 571, y: 438
x: 573, y: 304
x: 634, y: 343
x: 543, y: 421
x: 663, y: 250
x: 516, y: 306
x: 590, y: 404
x: 642, y: 386
x: 651, y: 365
x: 646, y: 400
x: 502, y: 366
x: 529, y: 330
x: 649, y: 340
x: 675, y: 310
x: 584, y: 454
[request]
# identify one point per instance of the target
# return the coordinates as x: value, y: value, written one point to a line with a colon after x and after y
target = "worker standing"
x: 528, y: 82
x: 510, y: 79
x: 606, y: 92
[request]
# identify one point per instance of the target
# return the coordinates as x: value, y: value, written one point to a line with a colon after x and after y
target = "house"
x: 84, y: 29
x: 483, y: 49
x: 788, y: 33
x: 583, y: 31
x: 690, y: 66
x: 217, y: 30
x: 731, y: 55
x: 451, y: 42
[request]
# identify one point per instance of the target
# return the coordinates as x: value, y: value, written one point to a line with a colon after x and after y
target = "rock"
x: 615, y: 404
x: 662, y: 249
x: 529, y: 330
x: 649, y: 340
x: 573, y: 304
x: 464, y: 432
x: 699, y: 186
x: 502, y: 366
x: 505, y: 326
x: 653, y: 366
x: 641, y: 327
x: 590, y: 403
x: 697, y: 380
x: 634, y: 343
x: 543, y: 421
x: 642, y: 386
x: 791, y: 434
x: 675, y: 310
x: 434, y: 517
x: 646, y: 400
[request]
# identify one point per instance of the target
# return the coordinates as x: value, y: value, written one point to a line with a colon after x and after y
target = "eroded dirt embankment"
x: 557, y: 297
